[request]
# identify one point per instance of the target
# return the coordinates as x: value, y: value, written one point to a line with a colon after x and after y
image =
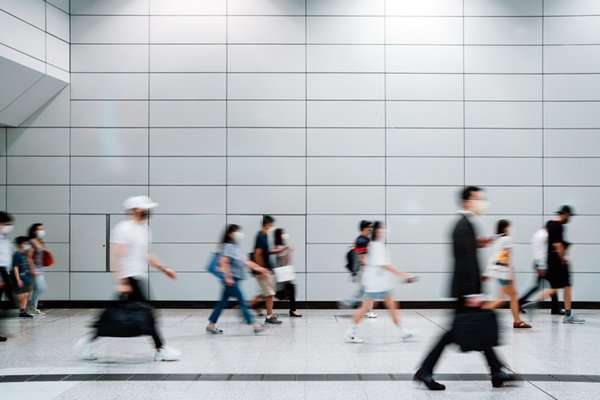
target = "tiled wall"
x: 322, y: 113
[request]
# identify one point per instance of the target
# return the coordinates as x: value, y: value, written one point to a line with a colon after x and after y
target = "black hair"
x: 5, y: 217
x: 468, y: 191
x: 501, y: 227
x: 278, y: 240
x: 267, y: 219
x: 364, y: 225
x: 376, y: 225
x: 227, y: 235
x: 33, y: 229
x: 21, y: 239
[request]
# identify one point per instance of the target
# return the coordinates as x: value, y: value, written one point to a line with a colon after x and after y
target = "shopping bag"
x: 285, y: 273
x: 476, y: 329
x: 213, y: 265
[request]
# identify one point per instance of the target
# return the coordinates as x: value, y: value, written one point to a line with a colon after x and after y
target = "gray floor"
x: 303, y: 359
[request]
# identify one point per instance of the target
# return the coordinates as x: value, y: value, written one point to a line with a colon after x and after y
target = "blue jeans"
x: 39, y: 287
x: 235, y: 292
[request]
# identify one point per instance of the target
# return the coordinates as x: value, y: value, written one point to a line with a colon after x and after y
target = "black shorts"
x: 559, y: 275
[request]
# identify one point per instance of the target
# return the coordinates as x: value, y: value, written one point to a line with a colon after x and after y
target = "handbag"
x: 213, y: 265
x: 476, y: 329
x: 285, y: 273
x: 126, y: 319
x: 47, y: 258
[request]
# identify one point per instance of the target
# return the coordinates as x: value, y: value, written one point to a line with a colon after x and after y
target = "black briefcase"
x: 126, y: 319
x: 476, y: 330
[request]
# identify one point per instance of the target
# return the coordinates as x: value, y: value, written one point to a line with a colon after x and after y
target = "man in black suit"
x: 466, y: 286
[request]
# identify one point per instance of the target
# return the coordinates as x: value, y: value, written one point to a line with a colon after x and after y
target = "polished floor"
x: 304, y: 358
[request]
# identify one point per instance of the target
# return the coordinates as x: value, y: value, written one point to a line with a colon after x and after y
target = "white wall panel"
x: 109, y: 142
x: 346, y: 171
x: 345, y: 142
x: 503, y: 114
x: 266, y: 142
x: 419, y: 114
x: 571, y: 171
x: 424, y: 87
x: 424, y: 171
x: 505, y: 30
x: 422, y: 199
x: 266, y: 200
x: 503, y: 8
x: 503, y: 87
x: 585, y: 200
x: 187, y: 142
x: 420, y: 142
x: 572, y: 30
x: 503, y: 171
x: 271, y: 30
x: 424, y: 59
x: 109, y: 58
x: 352, y: 114
x: 266, y: 86
x: 345, y: 7
x: 504, y: 59
x: 38, y: 170
x: 345, y: 30
x: 345, y: 87
x: 266, y: 171
x: 187, y: 170
x: 187, y: 29
x: 266, y: 114
x: 572, y: 115
x: 171, y: 114
x: 345, y: 58
x: 113, y: 86
x: 187, y: 7
x: 189, y: 199
x: 109, y: 170
x: 187, y: 86
x: 571, y: 59
x: 36, y: 142
x: 57, y: 226
x: 265, y: 58
x: 99, y: 199
x: 345, y: 200
x: 109, y: 114
x: 424, y: 30
x: 37, y: 199
x: 424, y: 7
x: 187, y: 228
x: 114, y: 29
x: 187, y: 58
x: 110, y: 7
x: 504, y: 142
x: 571, y: 7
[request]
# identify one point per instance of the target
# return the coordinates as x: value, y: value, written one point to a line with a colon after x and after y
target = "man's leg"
x: 138, y: 295
x: 434, y: 355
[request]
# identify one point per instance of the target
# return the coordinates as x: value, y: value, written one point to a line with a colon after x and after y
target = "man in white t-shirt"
x: 539, y: 246
x: 129, y: 258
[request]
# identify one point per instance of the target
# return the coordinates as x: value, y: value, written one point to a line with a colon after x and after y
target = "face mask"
x: 238, y: 236
x: 479, y: 206
x: 41, y: 234
x: 26, y: 247
x: 285, y: 236
x: 6, y: 229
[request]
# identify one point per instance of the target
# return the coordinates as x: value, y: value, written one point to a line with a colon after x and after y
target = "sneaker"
x: 572, y: 319
x: 86, y: 347
x: 370, y: 314
x: 24, y: 314
x: 3, y: 338
x: 273, y: 320
x: 214, y: 331
x: 261, y: 330
x: 500, y: 378
x: 404, y: 333
x: 38, y: 312
x: 167, y: 353
x: 352, y: 338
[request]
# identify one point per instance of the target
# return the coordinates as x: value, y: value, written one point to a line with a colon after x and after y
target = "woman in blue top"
x: 233, y: 264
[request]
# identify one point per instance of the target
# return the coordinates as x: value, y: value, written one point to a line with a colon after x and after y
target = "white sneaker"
x: 404, y: 333
x: 38, y: 312
x: 352, y: 338
x: 370, y: 314
x: 86, y: 347
x: 167, y: 353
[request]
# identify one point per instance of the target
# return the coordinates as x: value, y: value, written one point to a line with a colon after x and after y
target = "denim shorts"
x: 376, y: 295
x: 505, y: 282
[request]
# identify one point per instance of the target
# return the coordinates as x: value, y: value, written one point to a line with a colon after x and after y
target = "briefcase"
x: 476, y: 330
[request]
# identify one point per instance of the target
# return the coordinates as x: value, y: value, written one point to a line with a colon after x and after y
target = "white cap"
x: 143, y: 202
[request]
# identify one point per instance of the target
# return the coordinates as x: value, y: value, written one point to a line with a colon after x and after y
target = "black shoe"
x: 427, y: 379
x: 557, y: 312
x: 500, y: 378
x: 295, y: 314
x: 24, y: 314
x: 3, y: 338
x: 522, y: 311
x: 273, y: 321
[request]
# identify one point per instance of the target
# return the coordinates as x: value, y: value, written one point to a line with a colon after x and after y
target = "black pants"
x: 6, y: 289
x: 288, y: 292
x: 555, y: 305
x: 447, y: 338
x: 137, y: 294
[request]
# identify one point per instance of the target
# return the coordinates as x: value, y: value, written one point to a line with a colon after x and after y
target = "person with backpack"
x: 379, y: 281
x: 21, y: 277
x: 37, y: 257
x: 232, y: 268
x: 356, y: 258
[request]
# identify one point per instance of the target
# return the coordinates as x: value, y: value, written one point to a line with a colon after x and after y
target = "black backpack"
x: 352, y: 261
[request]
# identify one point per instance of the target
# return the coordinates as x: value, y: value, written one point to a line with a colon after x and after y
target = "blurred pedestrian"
x: 285, y: 290
x: 6, y: 289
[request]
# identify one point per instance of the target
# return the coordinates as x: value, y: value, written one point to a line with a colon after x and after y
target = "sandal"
x: 214, y: 331
x: 521, y: 324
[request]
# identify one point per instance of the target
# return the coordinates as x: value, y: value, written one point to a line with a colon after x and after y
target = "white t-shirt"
x: 499, y: 263
x: 5, y: 252
x: 136, y: 236
x: 375, y: 277
x: 539, y: 245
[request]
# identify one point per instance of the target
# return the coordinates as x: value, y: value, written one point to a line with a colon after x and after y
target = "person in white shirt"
x: 129, y: 259
x: 6, y: 227
x: 379, y: 281
x: 539, y: 245
x: 500, y: 267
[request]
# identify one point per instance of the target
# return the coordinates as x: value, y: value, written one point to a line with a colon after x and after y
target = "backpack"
x: 352, y: 261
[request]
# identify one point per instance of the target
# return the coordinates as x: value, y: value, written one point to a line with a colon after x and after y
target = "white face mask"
x: 6, y: 229
x: 479, y: 207
x: 41, y: 234
x: 238, y: 236
x: 26, y: 247
x: 285, y: 236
